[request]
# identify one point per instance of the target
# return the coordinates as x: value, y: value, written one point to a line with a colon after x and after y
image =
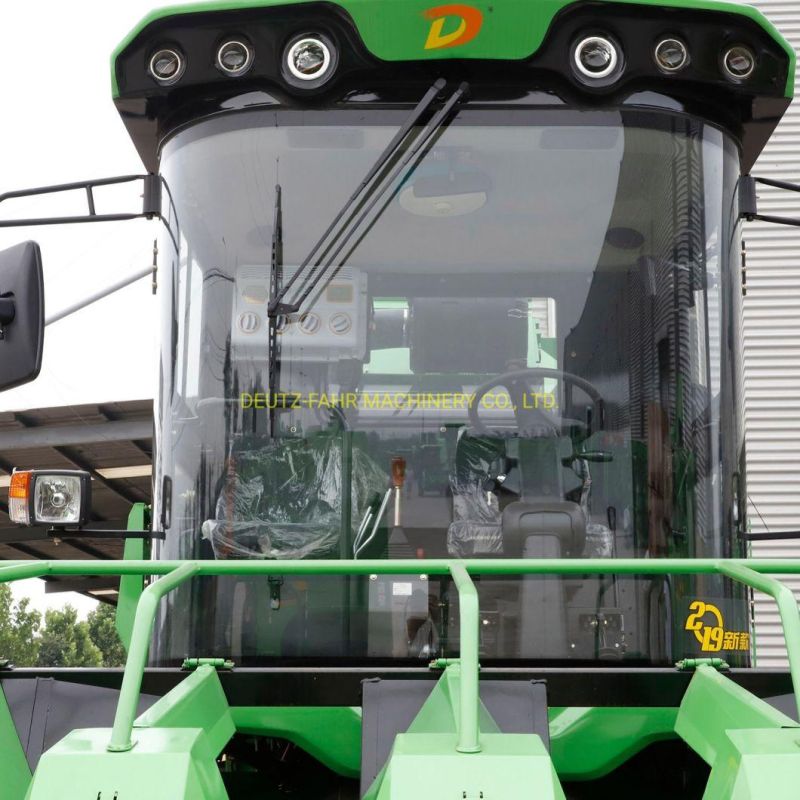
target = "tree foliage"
x: 60, y: 639
x: 19, y: 628
x: 103, y: 632
x: 65, y: 641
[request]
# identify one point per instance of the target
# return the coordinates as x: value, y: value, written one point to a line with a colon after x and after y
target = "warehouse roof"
x: 112, y: 441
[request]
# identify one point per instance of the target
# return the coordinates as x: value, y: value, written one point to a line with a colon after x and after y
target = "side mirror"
x: 21, y: 314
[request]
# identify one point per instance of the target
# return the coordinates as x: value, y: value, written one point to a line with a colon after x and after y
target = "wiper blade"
x: 365, y: 197
x: 275, y: 280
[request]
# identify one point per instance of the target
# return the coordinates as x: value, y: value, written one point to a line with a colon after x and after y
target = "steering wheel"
x: 529, y: 406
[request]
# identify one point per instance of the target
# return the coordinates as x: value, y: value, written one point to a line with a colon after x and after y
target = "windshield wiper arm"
x: 414, y: 156
x: 364, y: 193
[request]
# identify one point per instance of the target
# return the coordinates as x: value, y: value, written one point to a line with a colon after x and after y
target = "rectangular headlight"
x: 50, y: 497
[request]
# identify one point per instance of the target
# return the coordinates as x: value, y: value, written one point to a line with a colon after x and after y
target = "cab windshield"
x: 531, y: 351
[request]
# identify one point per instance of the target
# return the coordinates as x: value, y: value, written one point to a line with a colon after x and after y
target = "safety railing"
x: 753, y: 573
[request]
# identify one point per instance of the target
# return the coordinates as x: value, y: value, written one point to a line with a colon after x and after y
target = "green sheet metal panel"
x: 16, y: 774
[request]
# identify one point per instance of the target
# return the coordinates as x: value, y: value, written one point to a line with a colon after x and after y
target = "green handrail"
x: 121, y: 733
x: 468, y: 741
x: 437, y: 566
x: 787, y: 609
x: 752, y: 573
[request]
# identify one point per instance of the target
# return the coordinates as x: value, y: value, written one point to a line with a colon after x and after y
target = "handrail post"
x: 121, y: 734
x: 787, y: 609
x: 468, y: 732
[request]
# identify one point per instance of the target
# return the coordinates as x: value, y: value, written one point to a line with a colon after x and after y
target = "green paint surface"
x: 16, y: 775
x: 332, y: 735
x: 397, y: 30
x: 753, y: 749
x: 588, y: 743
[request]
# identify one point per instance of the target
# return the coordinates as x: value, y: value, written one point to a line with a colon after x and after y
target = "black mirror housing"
x: 21, y: 314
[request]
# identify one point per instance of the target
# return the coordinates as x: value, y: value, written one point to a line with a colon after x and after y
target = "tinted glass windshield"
x: 529, y: 350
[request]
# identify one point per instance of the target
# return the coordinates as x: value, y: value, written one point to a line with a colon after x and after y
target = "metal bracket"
x: 691, y: 664
x: 151, y: 206
x: 748, y: 200
x: 88, y: 533
x: 218, y: 663
x: 153, y: 189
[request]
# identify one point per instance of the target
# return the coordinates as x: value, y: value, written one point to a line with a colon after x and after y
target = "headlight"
x: 234, y: 58
x: 739, y: 62
x: 167, y: 65
x: 60, y: 498
x: 597, y: 58
x: 671, y: 55
x: 309, y: 60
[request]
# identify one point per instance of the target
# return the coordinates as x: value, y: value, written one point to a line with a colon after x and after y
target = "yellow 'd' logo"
x: 706, y: 622
x: 470, y: 21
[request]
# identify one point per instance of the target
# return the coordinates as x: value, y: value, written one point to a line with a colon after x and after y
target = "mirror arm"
x: 151, y: 202
x: 748, y: 200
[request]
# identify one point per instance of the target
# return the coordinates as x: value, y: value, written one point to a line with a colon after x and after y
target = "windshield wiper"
x: 275, y: 280
x: 366, y: 196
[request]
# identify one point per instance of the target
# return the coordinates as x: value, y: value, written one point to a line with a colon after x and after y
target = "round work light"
x: 167, y: 65
x: 234, y: 57
x: 596, y: 57
x: 671, y: 55
x: 739, y: 62
x: 309, y: 60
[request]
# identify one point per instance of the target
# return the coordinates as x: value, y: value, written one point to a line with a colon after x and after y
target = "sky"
x: 59, y: 125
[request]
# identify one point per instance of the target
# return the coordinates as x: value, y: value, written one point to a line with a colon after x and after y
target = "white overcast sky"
x: 59, y: 125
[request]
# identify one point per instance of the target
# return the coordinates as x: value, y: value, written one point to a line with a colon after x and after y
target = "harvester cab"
x: 449, y: 465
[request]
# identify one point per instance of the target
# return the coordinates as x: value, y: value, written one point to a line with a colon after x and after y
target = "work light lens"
x: 671, y: 55
x: 596, y: 57
x: 309, y: 59
x: 167, y: 66
x: 57, y: 499
x: 739, y: 62
x: 234, y: 58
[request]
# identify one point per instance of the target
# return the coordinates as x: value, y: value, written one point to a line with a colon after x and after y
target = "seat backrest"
x: 560, y: 519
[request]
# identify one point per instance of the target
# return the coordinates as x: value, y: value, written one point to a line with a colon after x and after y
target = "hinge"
x: 691, y: 664
x: 217, y: 663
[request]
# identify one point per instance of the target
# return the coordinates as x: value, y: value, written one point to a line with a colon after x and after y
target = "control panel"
x: 331, y: 327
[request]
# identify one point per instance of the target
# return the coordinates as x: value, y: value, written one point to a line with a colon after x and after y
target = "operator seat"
x: 543, y: 528
x: 539, y: 525
x: 543, y: 525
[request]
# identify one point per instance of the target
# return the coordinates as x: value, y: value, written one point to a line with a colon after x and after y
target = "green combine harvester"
x: 449, y: 495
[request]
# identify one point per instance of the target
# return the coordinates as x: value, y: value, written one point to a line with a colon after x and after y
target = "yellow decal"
x: 396, y: 401
x: 706, y: 622
x: 470, y: 21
